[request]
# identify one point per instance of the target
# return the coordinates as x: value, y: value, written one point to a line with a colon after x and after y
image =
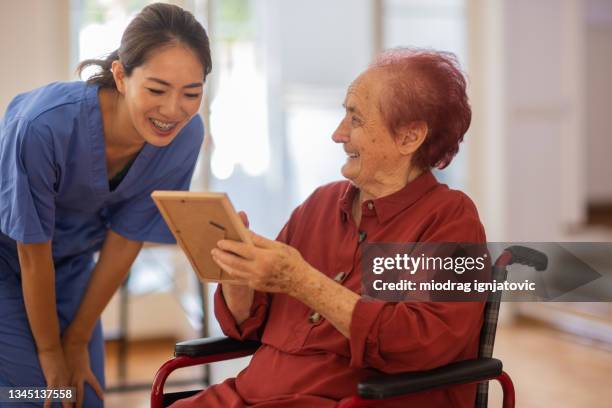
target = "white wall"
x: 530, y: 163
x: 545, y: 126
x: 599, y: 101
x: 35, y: 44
x: 487, y: 164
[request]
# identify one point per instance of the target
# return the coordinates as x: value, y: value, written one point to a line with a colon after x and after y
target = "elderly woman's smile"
x: 377, y: 160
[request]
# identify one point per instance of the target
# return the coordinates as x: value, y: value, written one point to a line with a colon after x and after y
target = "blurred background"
x: 535, y: 160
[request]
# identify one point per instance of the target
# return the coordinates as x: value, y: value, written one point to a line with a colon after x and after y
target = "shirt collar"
x: 387, y: 207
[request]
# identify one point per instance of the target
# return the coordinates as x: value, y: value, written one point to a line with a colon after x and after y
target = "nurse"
x: 78, y: 162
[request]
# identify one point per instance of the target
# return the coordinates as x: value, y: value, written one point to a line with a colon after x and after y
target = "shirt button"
x: 314, y: 318
x: 370, y: 205
x: 362, y: 236
x: 340, y: 276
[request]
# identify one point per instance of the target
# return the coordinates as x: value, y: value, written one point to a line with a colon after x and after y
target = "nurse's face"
x: 163, y: 94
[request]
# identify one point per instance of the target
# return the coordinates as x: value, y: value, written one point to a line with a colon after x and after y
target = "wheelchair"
x: 382, y: 388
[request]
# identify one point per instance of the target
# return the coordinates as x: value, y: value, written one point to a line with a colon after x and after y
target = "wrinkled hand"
x: 77, y: 360
x: 266, y: 266
x: 55, y: 372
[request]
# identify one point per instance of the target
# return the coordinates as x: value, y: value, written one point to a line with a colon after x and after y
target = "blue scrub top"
x: 53, y: 178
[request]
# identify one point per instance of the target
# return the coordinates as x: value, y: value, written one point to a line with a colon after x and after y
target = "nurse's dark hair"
x: 158, y: 25
x: 429, y: 86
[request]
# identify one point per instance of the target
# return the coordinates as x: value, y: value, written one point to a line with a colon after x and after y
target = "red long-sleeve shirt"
x: 301, y: 364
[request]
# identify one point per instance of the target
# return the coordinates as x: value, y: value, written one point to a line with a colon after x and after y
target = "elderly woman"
x: 406, y: 114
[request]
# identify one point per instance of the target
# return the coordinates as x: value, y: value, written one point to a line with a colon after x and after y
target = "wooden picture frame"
x: 198, y: 221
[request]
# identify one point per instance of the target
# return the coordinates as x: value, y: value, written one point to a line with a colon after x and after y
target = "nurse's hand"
x: 267, y: 266
x: 55, y: 371
x: 77, y: 360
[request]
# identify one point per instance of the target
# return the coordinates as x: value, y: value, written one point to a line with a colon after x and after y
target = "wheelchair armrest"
x: 199, y: 351
x: 462, y: 372
x: 213, y: 345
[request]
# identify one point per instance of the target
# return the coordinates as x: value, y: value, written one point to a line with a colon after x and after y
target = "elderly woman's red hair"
x: 426, y: 86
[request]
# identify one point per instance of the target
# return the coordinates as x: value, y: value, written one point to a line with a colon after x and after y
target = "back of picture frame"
x: 198, y: 221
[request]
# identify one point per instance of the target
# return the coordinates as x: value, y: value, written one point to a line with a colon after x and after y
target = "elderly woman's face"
x: 373, y: 159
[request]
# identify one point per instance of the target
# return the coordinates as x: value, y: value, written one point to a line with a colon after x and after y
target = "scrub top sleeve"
x: 28, y: 176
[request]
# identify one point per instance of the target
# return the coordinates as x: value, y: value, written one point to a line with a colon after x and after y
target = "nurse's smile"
x: 163, y: 129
